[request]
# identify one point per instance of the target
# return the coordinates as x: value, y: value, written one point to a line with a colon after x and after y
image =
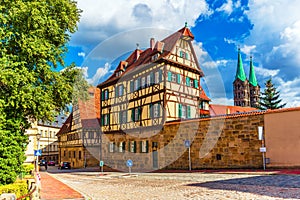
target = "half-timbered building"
x: 154, y: 86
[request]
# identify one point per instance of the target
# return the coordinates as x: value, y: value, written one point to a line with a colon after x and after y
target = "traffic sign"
x: 187, y: 143
x: 101, y: 163
x: 129, y: 163
x: 38, y: 152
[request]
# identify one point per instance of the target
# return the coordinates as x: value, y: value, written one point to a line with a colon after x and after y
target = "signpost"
x: 262, y: 149
x: 101, y: 165
x: 187, y: 144
x: 129, y: 164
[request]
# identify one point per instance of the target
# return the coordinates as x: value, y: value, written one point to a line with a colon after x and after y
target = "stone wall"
x: 225, y: 142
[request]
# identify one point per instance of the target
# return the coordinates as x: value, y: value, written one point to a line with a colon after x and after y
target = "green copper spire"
x: 252, y: 77
x: 240, y: 73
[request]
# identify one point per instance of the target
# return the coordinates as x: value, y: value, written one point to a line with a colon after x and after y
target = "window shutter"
x: 132, y: 114
x: 134, y: 146
x: 107, y: 92
x: 160, y: 75
x: 188, y: 112
x: 108, y: 119
x: 116, y: 91
x: 187, y: 56
x: 179, y: 110
x: 188, y: 81
x: 102, y: 95
x: 102, y: 120
x: 169, y: 76
x: 139, y: 83
x: 120, y: 117
x: 178, y: 78
x: 159, y: 108
x: 151, y: 78
x: 147, y: 146
x: 181, y: 54
x: 131, y: 86
x: 141, y: 146
x: 151, y: 110
x: 196, y: 85
x: 139, y: 113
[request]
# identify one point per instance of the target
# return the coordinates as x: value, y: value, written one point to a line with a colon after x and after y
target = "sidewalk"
x: 53, y: 189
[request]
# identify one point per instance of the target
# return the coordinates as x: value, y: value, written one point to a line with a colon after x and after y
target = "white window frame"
x: 136, y: 84
x: 183, y: 112
x: 148, y: 80
x: 144, y: 146
x: 156, y: 77
x: 156, y: 110
x: 143, y: 84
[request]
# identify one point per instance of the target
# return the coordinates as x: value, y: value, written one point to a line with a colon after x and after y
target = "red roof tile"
x: 225, y: 109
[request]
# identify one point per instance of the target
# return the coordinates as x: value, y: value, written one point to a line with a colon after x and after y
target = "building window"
x: 74, y: 154
x: 123, y: 117
x: 91, y: 135
x: 174, y: 77
x: 105, y: 94
x: 111, y: 147
x: 135, y: 114
x: 187, y: 81
x: 136, y: 84
x: 69, y: 154
x: 184, y: 111
x: 155, y: 110
x: 105, y: 119
x: 120, y: 90
x: 65, y: 153
x: 144, y: 146
x: 79, y: 154
x: 158, y: 76
x: 122, y: 147
x: 143, y: 85
x: 149, y: 79
x: 132, y: 147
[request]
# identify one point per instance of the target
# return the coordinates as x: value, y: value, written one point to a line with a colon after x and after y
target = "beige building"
x: 43, y: 136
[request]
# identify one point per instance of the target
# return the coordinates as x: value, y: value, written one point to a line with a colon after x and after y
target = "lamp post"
x: 38, y: 137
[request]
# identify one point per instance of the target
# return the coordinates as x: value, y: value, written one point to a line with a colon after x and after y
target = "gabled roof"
x: 140, y: 58
x: 216, y: 110
x: 203, y: 95
x: 89, y: 113
x: 67, y: 126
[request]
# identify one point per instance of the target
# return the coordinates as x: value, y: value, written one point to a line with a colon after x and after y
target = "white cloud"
x: 100, y: 73
x: 81, y: 54
x: 276, y: 34
x: 267, y: 73
x: 228, y: 7
x: 248, y: 50
x: 102, y: 18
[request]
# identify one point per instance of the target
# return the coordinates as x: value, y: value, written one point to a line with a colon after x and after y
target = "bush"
x: 28, y: 168
x: 19, y: 188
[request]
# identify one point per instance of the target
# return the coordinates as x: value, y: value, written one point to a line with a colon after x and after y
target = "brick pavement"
x: 53, y: 189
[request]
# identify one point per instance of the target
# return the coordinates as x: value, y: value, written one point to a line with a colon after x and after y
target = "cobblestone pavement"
x: 173, y: 186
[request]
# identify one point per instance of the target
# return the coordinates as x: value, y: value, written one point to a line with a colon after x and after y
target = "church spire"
x: 240, y: 73
x: 252, y: 77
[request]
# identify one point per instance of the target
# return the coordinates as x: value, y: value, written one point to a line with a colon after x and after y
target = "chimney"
x: 152, y: 43
x: 137, y: 51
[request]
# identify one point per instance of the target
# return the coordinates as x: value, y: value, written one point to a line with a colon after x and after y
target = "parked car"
x: 64, y: 165
x: 42, y: 162
x: 51, y: 163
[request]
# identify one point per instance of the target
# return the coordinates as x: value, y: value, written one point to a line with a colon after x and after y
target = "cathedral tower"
x: 253, y: 86
x: 241, y: 85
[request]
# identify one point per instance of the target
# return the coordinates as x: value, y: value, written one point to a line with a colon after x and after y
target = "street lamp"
x: 38, y: 137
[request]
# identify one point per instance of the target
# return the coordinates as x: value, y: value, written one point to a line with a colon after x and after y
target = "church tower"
x: 253, y: 86
x: 241, y: 85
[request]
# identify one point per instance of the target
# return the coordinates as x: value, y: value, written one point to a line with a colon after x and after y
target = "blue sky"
x: 268, y: 30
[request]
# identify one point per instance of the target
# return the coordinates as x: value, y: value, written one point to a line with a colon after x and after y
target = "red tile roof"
x: 216, y: 110
x: 139, y: 58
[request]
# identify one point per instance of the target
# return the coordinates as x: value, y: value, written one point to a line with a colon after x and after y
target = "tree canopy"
x: 34, y: 35
x: 269, y: 99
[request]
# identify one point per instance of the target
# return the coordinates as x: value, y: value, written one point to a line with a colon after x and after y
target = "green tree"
x: 269, y: 99
x: 34, y: 35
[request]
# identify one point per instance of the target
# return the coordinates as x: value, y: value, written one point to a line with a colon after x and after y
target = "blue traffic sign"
x: 38, y: 152
x: 129, y: 163
x: 187, y: 143
x: 101, y: 163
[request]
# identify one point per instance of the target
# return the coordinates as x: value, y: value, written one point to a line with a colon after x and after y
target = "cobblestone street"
x: 247, y: 186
